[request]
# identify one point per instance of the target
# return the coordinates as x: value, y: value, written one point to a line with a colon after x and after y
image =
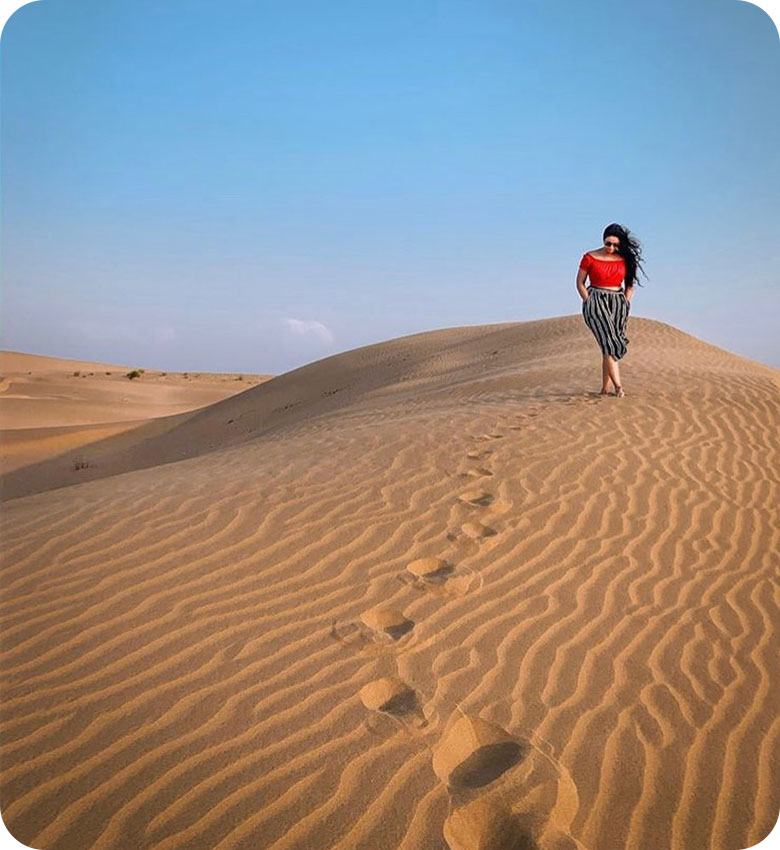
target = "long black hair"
x: 629, y: 249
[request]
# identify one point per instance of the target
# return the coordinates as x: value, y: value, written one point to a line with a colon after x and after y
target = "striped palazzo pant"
x: 606, y: 314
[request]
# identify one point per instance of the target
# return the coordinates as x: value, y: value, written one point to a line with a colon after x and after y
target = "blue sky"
x: 253, y: 187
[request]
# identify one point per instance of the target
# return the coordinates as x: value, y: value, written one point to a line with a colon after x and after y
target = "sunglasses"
x: 612, y: 244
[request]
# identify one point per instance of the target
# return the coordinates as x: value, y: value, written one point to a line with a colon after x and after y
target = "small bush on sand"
x: 134, y: 374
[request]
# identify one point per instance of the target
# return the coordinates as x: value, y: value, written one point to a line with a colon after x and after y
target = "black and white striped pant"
x: 606, y: 314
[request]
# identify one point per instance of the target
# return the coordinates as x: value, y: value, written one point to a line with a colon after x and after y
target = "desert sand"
x: 50, y: 406
x: 430, y: 593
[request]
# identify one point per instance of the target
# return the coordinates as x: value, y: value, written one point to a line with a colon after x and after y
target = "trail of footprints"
x: 505, y: 792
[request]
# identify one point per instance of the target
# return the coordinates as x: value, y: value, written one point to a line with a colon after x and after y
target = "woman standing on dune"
x: 605, y: 303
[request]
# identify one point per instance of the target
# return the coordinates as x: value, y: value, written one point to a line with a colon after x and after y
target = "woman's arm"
x: 629, y: 293
x: 581, y: 288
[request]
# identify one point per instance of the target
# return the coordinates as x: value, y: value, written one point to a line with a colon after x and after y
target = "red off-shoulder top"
x: 603, y: 273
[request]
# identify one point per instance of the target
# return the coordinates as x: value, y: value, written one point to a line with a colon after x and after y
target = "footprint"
x: 439, y: 576
x: 475, y: 472
x: 477, y: 531
x: 477, y: 498
x: 479, y: 454
x: 506, y: 792
x: 396, y: 705
x: 474, y: 752
x: 490, y: 824
x: 390, y: 695
x: 379, y: 626
x: 491, y: 435
x: 430, y: 569
x: 486, y: 824
x: 386, y: 621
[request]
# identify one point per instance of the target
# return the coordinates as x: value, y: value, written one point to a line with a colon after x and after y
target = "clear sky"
x: 253, y: 186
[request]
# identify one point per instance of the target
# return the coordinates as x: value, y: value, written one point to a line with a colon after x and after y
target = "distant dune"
x: 51, y: 406
x: 429, y: 593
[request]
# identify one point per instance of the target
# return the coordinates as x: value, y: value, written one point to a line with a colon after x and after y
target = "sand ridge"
x: 290, y: 639
x: 513, y: 362
x: 51, y: 407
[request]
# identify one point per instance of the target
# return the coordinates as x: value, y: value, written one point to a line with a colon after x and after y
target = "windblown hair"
x: 630, y: 250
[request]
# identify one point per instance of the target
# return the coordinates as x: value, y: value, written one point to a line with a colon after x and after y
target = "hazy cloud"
x: 300, y: 327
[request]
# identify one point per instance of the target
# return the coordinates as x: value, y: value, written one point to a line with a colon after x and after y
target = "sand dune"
x: 51, y: 406
x: 429, y: 593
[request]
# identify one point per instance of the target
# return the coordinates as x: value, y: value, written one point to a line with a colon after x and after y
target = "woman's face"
x: 611, y: 244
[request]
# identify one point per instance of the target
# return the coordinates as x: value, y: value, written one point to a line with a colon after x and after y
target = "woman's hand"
x: 582, y: 276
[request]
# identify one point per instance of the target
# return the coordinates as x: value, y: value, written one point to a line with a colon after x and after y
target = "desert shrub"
x: 136, y: 373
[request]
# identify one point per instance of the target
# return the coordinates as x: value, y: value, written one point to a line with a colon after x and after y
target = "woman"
x: 605, y: 304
